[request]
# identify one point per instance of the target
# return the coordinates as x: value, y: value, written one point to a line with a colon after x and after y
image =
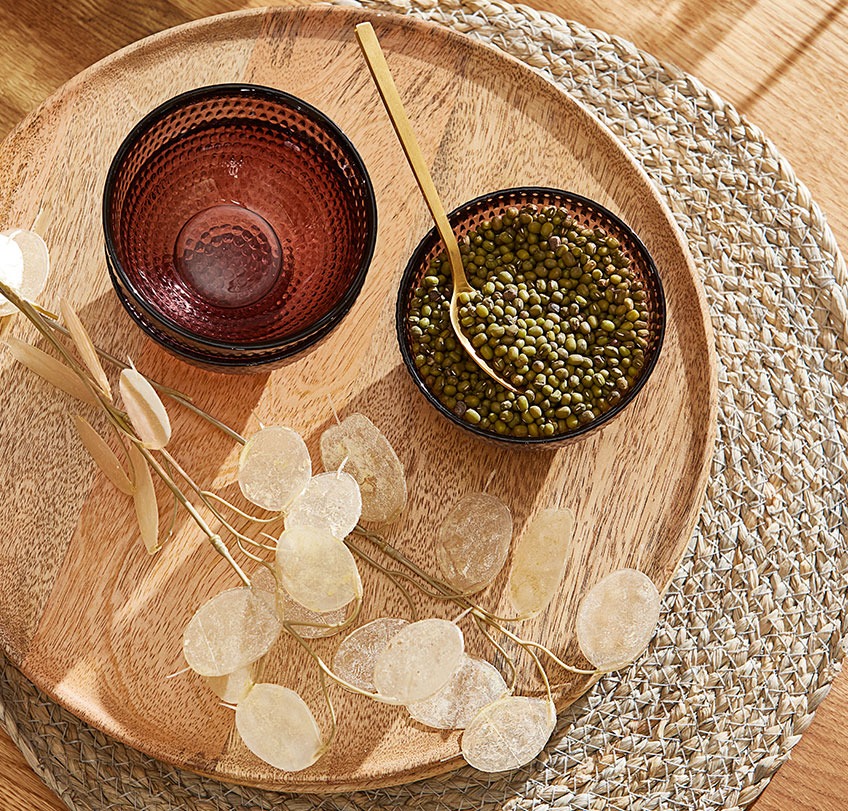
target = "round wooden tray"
x: 96, y: 622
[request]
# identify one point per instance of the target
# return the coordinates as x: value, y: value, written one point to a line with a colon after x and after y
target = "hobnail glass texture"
x: 588, y: 214
x: 239, y: 225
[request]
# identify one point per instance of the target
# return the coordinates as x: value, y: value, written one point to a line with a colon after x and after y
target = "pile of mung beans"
x: 556, y: 311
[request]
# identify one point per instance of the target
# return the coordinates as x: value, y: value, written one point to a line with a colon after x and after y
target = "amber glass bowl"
x: 239, y: 224
x: 588, y: 214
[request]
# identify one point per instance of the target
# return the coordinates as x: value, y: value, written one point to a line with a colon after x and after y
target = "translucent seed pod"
x: 617, y: 618
x: 276, y: 724
x: 372, y: 461
x: 274, y: 468
x: 308, y: 624
x: 539, y: 561
x: 330, y: 501
x: 358, y: 651
x: 24, y: 266
x: 418, y: 661
x: 508, y: 733
x: 231, y: 630
x: 316, y: 569
x: 475, y: 684
x: 473, y: 542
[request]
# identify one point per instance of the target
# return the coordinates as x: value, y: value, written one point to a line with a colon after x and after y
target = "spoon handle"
x: 394, y: 107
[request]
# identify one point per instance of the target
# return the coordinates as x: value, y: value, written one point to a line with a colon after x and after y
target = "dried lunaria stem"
x: 179, y: 397
x: 145, y: 423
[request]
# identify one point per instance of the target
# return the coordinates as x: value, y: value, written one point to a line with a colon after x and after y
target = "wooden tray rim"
x: 235, y: 18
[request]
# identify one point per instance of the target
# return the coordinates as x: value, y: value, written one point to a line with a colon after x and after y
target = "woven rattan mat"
x: 753, y: 625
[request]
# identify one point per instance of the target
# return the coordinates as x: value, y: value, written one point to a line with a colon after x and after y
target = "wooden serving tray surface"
x: 92, y: 619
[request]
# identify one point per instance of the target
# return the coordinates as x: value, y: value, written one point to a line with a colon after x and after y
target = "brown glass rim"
x: 329, y: 319
x: 531, y: 194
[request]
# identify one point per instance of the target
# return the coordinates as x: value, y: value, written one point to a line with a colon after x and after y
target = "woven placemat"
x: 753, y: 625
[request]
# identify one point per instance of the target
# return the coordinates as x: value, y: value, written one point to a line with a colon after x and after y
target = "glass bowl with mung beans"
x: 567, y: 305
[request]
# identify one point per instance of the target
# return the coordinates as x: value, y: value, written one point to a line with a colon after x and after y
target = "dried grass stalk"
x: 145, y: 409
x: 52, y: 370
x: 146, y: 506
x: 103, y: 455
x: 85, y: 347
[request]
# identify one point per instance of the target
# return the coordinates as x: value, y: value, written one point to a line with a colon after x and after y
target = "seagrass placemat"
x: 752, y: 629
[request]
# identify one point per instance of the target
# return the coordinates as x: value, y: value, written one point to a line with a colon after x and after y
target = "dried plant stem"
x: 44, y: 328
x: 217, y: 544
x: 480, y: 614
x: 253, y: 518
x: 239, y: 536
x: 247, y: 553
x: 186, y: 477
x: 323, y: 673
x: 120, y: 419
x: 172, y: 523
x: 47, y: 314
x: 266, y: 546
x: 346, y: 623
x: 175, y: 395
x: 508, y: 660
x: 331, y: 709
x: 392, y: 576
x: 272, y: 569
x: 526, y: 643
x: 50, y: 321
x: 122, y: 423
x: 186, y: 403
x: 398, y: 575
x: 443, y: 589
x: 530, y: 646
x: 325, y: 668
x: 527, y: 647
x: 543, y: 675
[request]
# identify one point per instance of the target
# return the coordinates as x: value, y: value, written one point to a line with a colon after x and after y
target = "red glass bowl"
x: 239, y: 224
x: 589, y: 214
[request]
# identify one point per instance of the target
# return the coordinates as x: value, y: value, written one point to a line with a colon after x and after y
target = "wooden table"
x: 780, y: 62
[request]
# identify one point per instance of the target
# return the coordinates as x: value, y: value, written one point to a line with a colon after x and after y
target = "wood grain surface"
x: 106, y: 657
x: 776, y: 60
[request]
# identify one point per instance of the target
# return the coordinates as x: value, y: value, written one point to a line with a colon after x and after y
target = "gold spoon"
x: 394, y: 107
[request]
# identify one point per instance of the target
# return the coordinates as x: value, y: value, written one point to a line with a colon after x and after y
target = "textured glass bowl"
x: 589, y: 214
x: 239, y: 224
